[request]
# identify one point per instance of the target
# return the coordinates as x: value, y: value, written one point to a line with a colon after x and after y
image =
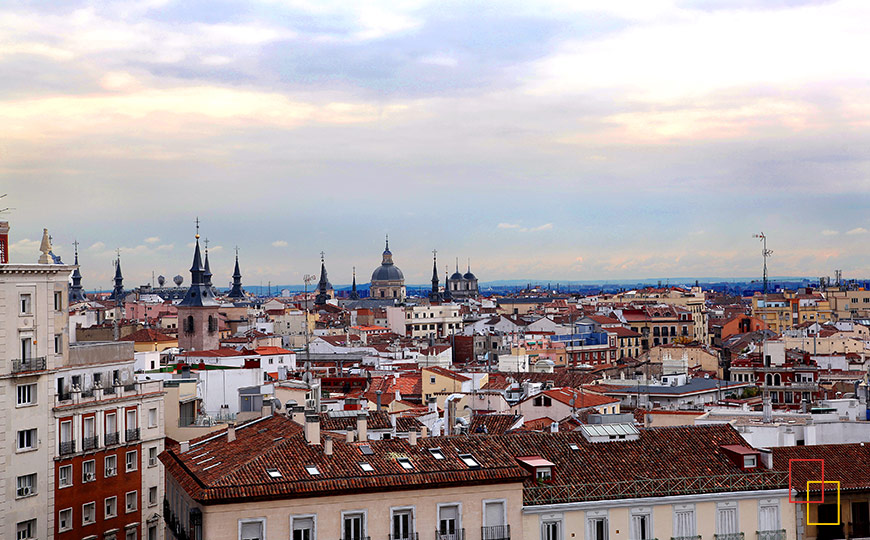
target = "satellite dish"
x: 277, y: 404
x: 161, y: 280
x: 178, y: 280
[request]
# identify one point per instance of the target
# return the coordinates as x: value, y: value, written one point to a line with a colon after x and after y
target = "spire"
x: 198, y: 294
x: 354, y: 295
x: 447, y: 296
x: 323, y: 286
x: 236, y: 291
x: 207, y: 271
x: 388, y: 255
x: 118, y: 291
x: 434, y: 295
x: 76, y: 294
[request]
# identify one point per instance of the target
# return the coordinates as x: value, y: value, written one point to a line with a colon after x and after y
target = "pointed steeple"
x: 118, y: 291
x: 206, y: 275
x: 354, y: 295
x: 76, y: 293
x: 198, y: 294
x: 447, y: 296
x: 434, y: 295
x: 323, y: 286
x: 236, y: 291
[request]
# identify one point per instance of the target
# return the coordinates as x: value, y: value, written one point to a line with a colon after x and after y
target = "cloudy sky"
x: 563, y: 139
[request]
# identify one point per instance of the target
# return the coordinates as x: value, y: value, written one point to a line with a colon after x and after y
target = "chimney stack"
x: 433, y: 404
x: 766, y: 410
x: 312, y: 428
x: 378, y: 401
x: 231, y: 432
x: 412, y: 437
x: 362, y: 426
x: 327, y: 445
x: 297, y: 414
x: 185, y: 446
x: 424, y: 431
x: 349, y: 435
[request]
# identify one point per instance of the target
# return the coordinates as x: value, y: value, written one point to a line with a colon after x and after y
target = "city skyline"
x: 567, y: 141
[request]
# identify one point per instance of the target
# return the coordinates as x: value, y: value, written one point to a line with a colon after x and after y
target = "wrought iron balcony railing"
x: 406, y: 536
x: 356, y: 538
x: 28, y: 364
x: 731, y: 536
x: 457, y: 534
x: 132, y: 435
x: 112, y: 438
x: 495, y: 532
x: 89, y: 443
x: 67, y: 447
x: 686, y: 537
x: 771, y: 535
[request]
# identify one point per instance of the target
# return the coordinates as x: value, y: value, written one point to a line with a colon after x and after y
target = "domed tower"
x: 470, y: 279
x: 198, y: 310
x: 387, y: 280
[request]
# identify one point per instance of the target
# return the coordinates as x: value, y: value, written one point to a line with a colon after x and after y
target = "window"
x: 684, y: 520
x: 89, y: 471
x: 111, y: 466
x: 251, y: 530
x: 131, y: 419
x: 432, y: 379
x: 26, y: 394
x: 448, y: 522
x: 726, y: 520
x: 131, y: 461
x: 768, y: 515
x: 469, y: 460
x: 273, y: 473
x: 132, y: 504
x: 89, y: 513
x: 152, y: 456
x: 366, y: 467
x: 596, y: 525
x: 27, y: 439
x: 303, y: 528
x: 64, y: 519
x: 152, y: 532
x: 403, y: 524
x: 312, y: 470
x: 641, y: 524
x: 58, y: 301
x: 26, y: 485
x: 58, y: 343
x: 152, y: 495
x: 152, y: 417
x: 25, y: 304
x: 543, y: 474
x: 353, y: 526
x: 405, y: 463
x: 111, y: 507
x: 750, y: 462
x: 64, y: 476
x: 494, y: 517
x: 25, y: 530
x: 551, y: 530
x: 131, y: 534
x: 436, y: 453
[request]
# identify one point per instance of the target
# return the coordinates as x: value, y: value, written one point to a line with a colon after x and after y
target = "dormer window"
x: 750, y: 462
x: 543, y: 474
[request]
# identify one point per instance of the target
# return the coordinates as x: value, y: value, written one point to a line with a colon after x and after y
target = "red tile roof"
x: 844, y: 463
x: 266, y: 351
x: 492, y: 424
x: 217, y: 353
x: 582, y: 399
x: 374, y: 420
x: 447, y: 373
x: 148, y: 335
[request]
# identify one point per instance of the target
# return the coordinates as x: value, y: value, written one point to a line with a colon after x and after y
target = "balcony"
x: 408, y: 536
x: 732, y: 536
x: 112, y: 438
x: 132, y: 435
x: 28, y: 364
x: 109, y: 390
x: 771, y: 535
x: 356, y: 538
x: 495, y: 532
x: 89, y: 443
x: 458, y: 534
x: 130, y: 387
x: 67, y: 447
x: 686, y: 537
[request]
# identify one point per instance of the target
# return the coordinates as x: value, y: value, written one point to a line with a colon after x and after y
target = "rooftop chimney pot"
x: 327, y: 445
x: 231, y: 432
x: 312, y: 429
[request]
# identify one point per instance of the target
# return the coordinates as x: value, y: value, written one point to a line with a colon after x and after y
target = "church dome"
x: 456, y: 276
x: 468, y: 276
x: 387, y: 271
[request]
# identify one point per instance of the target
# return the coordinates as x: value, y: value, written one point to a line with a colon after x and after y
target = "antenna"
x: 765, y: 253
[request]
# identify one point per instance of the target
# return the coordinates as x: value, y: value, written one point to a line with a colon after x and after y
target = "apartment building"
x: 437, y: 320
x: 785, y: 310
x: 692, y: 300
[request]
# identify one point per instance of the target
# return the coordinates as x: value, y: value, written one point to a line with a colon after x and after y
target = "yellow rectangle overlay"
x: 823, y: 482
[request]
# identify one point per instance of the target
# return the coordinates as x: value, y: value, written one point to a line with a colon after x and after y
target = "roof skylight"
x: 366, y: 450
x: 312, y: 470
x: 436, y: 453
x: 469, y: 460
x: 366, y: 467
x: 405, y: 463
x: 273, y: 473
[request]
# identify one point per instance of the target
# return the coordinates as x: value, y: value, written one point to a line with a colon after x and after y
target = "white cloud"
x: 830, y: 232
x: 279, y: 243
x: 97, y: 246
x: 520, y: 228
x: 165, y: 247
x: 508, y: 226
x: 25, y: 248
x: 442, y: 60
x: 858, y: 230
x: 152, y: 239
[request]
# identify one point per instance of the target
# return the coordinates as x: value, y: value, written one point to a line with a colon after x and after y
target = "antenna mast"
x: 765, y: 253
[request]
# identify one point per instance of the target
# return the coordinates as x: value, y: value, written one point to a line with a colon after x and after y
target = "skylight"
x: 436, y: 453
x: 366, y: 450
x: 469, y: 460
x: 366, y: 467
x: 312, y: 470
x: 405, y: 463
x: 573, y: 446
x: 273, y: 473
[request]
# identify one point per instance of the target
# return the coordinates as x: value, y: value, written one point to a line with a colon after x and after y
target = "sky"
x: 550, y: 140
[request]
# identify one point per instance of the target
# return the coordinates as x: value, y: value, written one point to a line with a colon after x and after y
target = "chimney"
x: 554, y: 427
x: 231, y: 432
x: 424, y: 431
x: 349, y: 435
x: 412, y: 437
x: 185, y: 446
x: 312, y: 428
x: 362, y: 425
x: 297, y: 414
x: 378, y: 401
x: 327, y: 445
x: 433, y: 404
x: 766, y: 458
x: 766, y: 410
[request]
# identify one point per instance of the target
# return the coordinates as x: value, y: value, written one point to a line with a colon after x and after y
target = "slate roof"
x: 237, y: 470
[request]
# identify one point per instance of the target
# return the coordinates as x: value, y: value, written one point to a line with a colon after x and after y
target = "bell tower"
x: 198, y: 310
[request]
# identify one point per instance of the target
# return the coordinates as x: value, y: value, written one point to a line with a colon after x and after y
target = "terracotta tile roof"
x: 539, y: 424
x: 271, y: 350
x: 148, y: 335
x: 237, y: 470
x: 582, y: 399
x: 492, y: 424
x: 622, y: 331
x: 347, y: 422
x: 845, y: 463
x: 405, y: 424
x: 447, y: 373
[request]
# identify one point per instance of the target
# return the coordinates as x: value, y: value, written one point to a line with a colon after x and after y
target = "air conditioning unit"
x: 23, y: 491
x: 131, y: 507
x: 111, y: 471
x: 310, y: 404
x: 89, y: 477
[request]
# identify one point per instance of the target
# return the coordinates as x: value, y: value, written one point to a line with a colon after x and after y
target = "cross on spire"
x: 76, y: 244
x: 322, y: 254
x: 206, y: 244
x: 197, y: 227
x: 434, y: 253
x: 118, y: 252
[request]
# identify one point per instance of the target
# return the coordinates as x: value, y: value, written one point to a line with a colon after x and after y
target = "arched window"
x: 382, y: 293
x: 188, y: 324
x: 777, y: 380
x: 212, y: 324
x: 768, y: 379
